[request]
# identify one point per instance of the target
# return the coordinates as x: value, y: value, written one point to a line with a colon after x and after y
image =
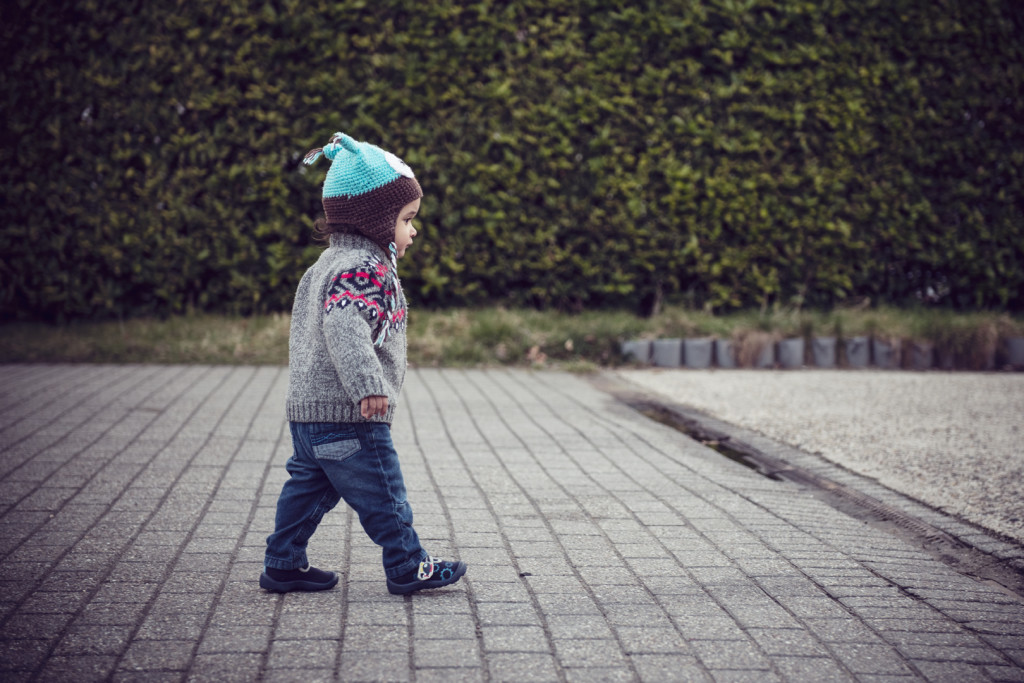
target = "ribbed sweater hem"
x: 331, y: 412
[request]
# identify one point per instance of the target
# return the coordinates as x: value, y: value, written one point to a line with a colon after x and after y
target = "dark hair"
x: 321, y: 232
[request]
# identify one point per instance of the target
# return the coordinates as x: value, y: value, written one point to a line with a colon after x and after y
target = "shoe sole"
x: 406, y: 588
x: 270, y: 584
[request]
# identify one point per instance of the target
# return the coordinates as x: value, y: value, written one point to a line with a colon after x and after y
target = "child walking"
x: 346, y: 368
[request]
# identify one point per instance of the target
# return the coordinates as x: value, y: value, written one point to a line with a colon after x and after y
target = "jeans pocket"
x: 335, y: 445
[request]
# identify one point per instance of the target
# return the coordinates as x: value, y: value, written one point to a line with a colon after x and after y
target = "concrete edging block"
x: 697, y: 353
x: 858, y: 352
x: 725, y: 354
x: 637, y: 349
x: 920, y: 356
x: 823, y: 350
x: 667, y: 353
x: 1015, y: 352
x: 886, y: 355
x: 791, y: 352
x: 765, y: 359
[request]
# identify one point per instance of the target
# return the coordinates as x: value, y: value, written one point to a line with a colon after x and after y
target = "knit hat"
x: 365, y: 188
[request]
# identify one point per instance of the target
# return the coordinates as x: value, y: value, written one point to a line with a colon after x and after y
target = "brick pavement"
x: 134, y: 503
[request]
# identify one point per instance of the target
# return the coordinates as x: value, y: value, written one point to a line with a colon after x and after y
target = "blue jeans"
x: 356, y: 462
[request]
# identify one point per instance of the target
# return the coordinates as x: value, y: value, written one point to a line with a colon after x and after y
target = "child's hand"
x: 372, y: 406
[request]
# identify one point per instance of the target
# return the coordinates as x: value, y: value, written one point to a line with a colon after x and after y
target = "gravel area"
x: 952, y: 440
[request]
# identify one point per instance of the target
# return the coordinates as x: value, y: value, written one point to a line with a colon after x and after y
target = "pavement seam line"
x: 625, y: 563
x: 170, y: 487
x: 233, y: 554
x: 535, y: 605
x: 451, y: 535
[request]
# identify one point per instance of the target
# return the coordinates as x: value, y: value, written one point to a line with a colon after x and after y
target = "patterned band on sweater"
x: 374, y: 289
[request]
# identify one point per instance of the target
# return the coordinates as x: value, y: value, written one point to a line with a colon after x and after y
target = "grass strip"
x: 481, y: 337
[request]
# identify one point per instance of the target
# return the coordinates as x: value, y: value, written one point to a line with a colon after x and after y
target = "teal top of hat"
x: 357, y: 167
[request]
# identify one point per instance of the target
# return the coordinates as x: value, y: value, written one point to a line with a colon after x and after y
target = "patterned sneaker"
x: 433, y: 573
x: 305, y: 579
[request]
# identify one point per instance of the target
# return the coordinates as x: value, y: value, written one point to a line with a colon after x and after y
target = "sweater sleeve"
x: 354, y: 310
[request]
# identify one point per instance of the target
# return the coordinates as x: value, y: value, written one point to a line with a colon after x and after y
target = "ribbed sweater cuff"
x: 366, y: 385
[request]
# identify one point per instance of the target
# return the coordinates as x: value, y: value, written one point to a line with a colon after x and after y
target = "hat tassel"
x: 312, y: 155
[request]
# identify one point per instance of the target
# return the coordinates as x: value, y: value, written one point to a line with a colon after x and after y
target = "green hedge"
x: 725, y: 153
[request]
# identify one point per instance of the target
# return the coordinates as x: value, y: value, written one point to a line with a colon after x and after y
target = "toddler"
x: 346, y: 367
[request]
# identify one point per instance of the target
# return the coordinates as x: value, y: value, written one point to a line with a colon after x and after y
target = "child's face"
x: 404, y: 229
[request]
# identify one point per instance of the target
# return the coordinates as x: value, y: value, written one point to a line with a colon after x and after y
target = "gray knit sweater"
x: 347, y: 334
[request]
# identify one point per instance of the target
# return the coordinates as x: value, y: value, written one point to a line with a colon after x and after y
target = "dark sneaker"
x: 306, y: 579
x: 433, y: 573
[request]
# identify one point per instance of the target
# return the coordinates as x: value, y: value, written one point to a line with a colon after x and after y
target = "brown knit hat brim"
x: 374, y: 213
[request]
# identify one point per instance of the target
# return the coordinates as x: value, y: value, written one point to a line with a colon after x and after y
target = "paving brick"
x: 434, y: 626
x: 27, y: 626
x: 235, y: 639
x: 127, y: 591
x: 689, y: 605
x: 171, y: 626
x: 818, y: 669
x: 78, y: 668
x: 950, y: 672
x: 445, y: 675
x: 362, y: 671
x: 87, y: 639
x: 23, y: 654
x: 617, y: 594
x: 618, y: 614
x: 522, y: 667
x: 225, y: 668
x: 157, y: 655
x: 714, y: 628
x: 729, y: 654
x: 377, y: 638
x: 788, y: 642
x: 445, y: 653
x: 606, y: 674
x: 744, y: 676
x: 589, y: 653
x: 647, y: 640
x: 303, y: 654
x: 870, y: 658
x: 54, y: 602
x: 515, y: 639
x: 574, y: 626
x: 950, y: 653
x: 371, y: 614
x: 670, y: 668
x: 318, y: 625
x: 813, y: 607
x: 193, y: 582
